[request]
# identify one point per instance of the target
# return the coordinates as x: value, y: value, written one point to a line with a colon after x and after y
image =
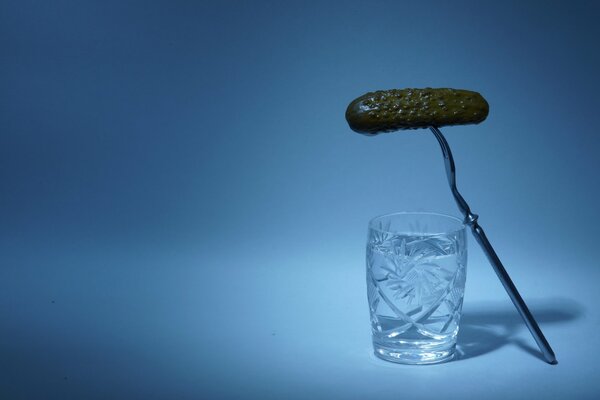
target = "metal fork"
x: 471, y: 220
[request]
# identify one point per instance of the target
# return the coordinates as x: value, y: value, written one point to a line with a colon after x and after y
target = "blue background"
x: 184, y: 209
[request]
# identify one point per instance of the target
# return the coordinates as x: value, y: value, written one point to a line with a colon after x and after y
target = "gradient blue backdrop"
x: 183, y: 208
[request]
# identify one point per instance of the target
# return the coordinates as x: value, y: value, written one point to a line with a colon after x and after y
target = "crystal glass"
x: 416, y: 271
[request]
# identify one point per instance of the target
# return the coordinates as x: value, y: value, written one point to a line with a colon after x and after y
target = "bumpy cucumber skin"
x: 391, y: 110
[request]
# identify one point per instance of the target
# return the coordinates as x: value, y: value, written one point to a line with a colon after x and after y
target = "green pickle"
x: 391, y: 110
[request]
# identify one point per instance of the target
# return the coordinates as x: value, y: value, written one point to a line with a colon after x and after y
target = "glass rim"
x: 461, y: 223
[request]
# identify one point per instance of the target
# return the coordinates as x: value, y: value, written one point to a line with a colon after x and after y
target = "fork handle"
x: 479, y: 234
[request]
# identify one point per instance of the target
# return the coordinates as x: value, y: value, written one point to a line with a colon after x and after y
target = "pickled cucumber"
x: 391, y: 110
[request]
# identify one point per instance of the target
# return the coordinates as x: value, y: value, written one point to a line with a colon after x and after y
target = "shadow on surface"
x: 486, y: 327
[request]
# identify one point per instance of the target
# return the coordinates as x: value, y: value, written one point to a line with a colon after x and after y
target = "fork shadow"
x: 486, y: 327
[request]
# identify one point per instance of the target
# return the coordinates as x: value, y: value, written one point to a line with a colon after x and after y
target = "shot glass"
x: 416, y: 272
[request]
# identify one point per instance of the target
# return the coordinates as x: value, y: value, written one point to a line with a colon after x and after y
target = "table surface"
x: 134, y: 325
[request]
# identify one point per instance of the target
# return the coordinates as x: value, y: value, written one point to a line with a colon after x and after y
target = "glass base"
x: 415, y: 355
